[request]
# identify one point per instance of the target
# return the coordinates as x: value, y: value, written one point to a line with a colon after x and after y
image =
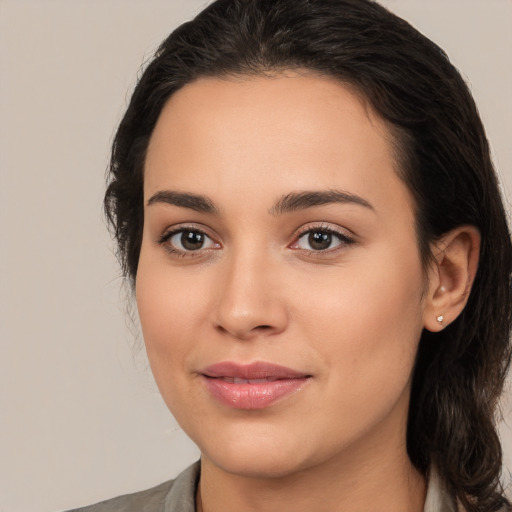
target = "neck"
x: 348, y: 485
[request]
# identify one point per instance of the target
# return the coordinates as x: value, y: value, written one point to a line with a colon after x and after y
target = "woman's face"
x: 279, y: 285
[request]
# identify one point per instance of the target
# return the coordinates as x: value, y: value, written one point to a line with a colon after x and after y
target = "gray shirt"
x: 179, y: 496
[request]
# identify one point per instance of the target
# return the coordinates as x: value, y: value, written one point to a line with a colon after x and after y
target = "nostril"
x: 244, y: 333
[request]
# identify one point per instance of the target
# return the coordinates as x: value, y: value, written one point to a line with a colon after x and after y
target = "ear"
x: 451, y: 276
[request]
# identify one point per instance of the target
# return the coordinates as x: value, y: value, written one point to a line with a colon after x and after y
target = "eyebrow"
x: 194, y: 202
x: 308, y: 199
x: 289, y: 203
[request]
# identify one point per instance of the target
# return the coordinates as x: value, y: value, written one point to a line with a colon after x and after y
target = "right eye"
x: 185, y: 240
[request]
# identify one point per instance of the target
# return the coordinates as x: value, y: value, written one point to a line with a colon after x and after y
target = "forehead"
x: 264, y: 133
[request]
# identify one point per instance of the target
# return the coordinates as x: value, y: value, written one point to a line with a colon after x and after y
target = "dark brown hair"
x: 444, y: 160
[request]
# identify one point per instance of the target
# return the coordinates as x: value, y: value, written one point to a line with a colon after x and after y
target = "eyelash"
x: 166, y: 237
x: 344, y: 240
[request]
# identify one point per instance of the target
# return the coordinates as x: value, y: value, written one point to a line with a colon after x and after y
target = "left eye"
x: 320, y: 240
x: 187, y: 240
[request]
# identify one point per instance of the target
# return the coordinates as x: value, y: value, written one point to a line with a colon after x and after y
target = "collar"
x: 438, y: 499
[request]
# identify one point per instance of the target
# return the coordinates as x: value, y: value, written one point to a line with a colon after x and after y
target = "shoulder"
x: 149, y: 500
x: 177, y: 494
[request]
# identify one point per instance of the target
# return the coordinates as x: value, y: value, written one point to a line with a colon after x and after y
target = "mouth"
x: 254, y: 386
x: 236, y: 380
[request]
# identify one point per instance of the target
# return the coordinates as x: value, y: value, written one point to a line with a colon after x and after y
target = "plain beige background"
x: 80, y: 417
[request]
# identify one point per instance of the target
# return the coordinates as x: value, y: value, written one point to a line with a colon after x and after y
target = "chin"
x: 263, y: 465
x: 263, y: 452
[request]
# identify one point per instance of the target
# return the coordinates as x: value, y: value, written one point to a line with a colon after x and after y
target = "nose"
x: 250, y: 301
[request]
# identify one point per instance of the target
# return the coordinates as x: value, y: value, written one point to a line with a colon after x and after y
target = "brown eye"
x: 192, y: 240
x: 187, y: 240
x: 319, y: 240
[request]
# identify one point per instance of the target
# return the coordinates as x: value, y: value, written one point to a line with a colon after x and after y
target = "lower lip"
x: 252, y: 396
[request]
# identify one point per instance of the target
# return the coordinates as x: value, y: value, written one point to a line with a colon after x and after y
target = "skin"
x: 350, y: 316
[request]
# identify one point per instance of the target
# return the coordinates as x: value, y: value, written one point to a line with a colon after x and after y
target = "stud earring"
x: 440, y: 319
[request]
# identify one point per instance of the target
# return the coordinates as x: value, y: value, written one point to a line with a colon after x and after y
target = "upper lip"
x: 256, y: 370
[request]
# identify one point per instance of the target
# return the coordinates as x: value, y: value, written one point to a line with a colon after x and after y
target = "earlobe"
x: 456, y: 256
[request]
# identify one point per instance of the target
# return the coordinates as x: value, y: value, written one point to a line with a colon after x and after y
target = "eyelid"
x: 345, y: 236
x: 173, y: 230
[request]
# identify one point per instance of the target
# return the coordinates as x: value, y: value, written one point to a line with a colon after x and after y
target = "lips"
x: 253, y: 386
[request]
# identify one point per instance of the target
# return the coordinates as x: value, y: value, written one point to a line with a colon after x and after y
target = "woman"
x: 304, y: 202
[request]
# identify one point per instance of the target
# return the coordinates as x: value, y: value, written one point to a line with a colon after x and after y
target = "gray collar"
x: 182, y: 496
x: 438, y: 499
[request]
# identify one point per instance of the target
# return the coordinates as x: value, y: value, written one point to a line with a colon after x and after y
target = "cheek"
x: 170, y: 315
x: 367, y: 318
x: 366, y: 331
x: 170, y: 312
